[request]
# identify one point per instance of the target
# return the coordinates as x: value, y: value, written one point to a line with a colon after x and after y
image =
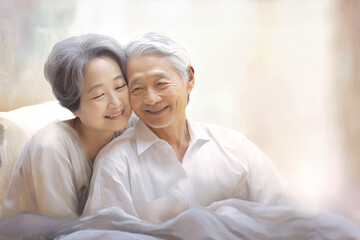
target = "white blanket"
x: 228, y: 219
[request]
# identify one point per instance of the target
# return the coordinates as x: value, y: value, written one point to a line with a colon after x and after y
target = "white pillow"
x: 17, y: 127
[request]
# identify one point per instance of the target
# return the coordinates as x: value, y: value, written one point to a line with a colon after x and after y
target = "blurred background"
x: 286, y: 73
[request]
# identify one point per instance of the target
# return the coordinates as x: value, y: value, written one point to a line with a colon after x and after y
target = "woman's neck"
x: 92, y: 140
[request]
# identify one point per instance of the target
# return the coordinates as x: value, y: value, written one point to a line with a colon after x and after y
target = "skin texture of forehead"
x: 148, y: 60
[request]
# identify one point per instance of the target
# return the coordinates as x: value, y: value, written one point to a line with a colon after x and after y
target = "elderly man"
x: 167, y: 163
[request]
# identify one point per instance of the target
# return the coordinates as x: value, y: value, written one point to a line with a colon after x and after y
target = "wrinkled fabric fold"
x: 228, y: 219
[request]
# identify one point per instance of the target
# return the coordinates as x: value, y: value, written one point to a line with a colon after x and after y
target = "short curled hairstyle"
x: 65, y: 65
x: 153, y: 43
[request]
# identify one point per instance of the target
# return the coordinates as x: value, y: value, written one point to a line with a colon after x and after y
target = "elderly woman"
x: 52, y: 174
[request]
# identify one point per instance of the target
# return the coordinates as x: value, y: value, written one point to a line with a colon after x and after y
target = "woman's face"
x: 104, y: 100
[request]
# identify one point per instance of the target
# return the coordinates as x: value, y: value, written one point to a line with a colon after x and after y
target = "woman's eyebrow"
x: 120, y: 76
x: 100, y: 84
x: 95, y: 86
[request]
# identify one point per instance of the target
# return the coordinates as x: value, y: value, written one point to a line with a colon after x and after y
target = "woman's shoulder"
x: 54, y: 136
x: 54, y: 145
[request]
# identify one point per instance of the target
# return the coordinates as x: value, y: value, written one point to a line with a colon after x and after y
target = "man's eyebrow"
x: 133, y: 81
x: 159, y: 75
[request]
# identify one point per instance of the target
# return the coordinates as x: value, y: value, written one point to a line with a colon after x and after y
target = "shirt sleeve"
x: 264, y: 183
x: 43, y: 182
x: 110, y: 185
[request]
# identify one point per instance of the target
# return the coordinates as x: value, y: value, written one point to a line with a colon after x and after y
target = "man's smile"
x: 156, y: 111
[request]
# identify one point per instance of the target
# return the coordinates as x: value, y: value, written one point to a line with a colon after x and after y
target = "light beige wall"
x: 265, y: 68
x: 27, y: 31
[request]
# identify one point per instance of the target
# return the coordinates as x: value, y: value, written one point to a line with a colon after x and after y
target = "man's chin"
x: 157, y: 124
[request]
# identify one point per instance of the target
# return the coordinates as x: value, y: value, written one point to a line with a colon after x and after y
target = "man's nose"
x: 152, y: 97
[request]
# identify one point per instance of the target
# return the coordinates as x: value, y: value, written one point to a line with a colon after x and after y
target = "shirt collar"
x: 145, y: 138
x: 197, y: 132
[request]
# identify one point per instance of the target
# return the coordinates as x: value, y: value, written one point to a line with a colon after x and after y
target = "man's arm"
x: 264, y: 183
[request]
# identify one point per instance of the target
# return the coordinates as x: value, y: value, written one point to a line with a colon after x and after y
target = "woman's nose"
x: 114, y: 101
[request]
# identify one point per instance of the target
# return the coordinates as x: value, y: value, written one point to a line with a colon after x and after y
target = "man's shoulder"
x: 217, y: 131
x: 224, y: 137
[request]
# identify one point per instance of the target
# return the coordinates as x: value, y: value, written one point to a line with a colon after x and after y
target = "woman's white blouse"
x: 51, y: 176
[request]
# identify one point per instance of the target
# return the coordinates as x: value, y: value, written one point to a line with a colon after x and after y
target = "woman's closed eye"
x: 98, y: 96
x: 120, y: 87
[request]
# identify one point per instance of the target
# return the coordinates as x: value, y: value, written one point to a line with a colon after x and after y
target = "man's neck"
x: 176, y: 135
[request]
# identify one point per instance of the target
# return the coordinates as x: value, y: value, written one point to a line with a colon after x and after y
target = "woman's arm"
x: 42, y: 182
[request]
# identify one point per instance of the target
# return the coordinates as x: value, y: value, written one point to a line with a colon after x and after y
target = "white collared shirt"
x: 141, y: 174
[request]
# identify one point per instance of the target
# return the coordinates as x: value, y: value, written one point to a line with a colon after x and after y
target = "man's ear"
x: 191, y: 81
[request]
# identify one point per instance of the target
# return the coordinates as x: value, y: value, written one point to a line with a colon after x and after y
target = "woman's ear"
x: 191, y: 80
x: 75, y: 113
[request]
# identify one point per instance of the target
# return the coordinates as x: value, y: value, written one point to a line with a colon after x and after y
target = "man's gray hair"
x: 65, y: 65
x: 153, y: 43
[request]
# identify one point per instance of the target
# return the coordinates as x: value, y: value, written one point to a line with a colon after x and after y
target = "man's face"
x: 158, y: 94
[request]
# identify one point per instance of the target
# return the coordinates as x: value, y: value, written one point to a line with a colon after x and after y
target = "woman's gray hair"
x: 65, y: 65
x: 153, y: 43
